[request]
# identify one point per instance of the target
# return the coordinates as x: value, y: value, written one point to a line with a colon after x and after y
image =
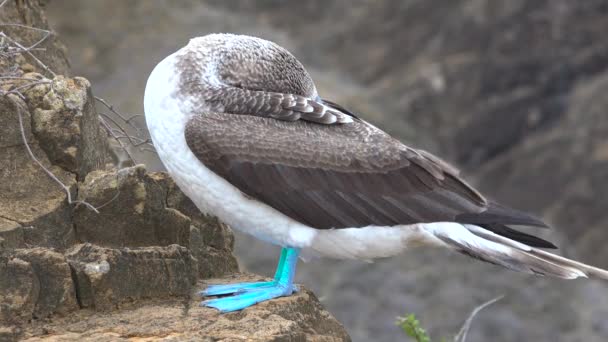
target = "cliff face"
x: 511, y: 91
x: 120, y: 252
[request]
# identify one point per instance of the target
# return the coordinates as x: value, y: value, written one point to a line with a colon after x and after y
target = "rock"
x: 28, y: 197
x: 65, y: 122
x: 132, y: 212
x: 29, y: 13
x: 56, y: 294
x: 106, y: 278
x: 11, y: 234
x: 9, y: 106
x: 35, y: 284
x: 211, y: 241
x: 19, y: 290
x: 9, y: 333
x: 296, y: 318
x: 212, y: 261
x: 144, y: 209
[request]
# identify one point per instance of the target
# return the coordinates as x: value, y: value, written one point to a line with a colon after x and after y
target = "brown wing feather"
x: 334, y: 176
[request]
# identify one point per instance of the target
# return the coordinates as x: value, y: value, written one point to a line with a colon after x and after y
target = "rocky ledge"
x: 296, y: 318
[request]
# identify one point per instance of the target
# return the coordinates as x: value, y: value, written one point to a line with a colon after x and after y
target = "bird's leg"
x: 247, y: 294
x: 216, y: 290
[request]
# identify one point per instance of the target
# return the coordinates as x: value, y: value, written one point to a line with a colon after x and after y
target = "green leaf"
x: 411, y: 326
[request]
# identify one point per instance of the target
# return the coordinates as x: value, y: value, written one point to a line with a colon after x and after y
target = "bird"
x: 239, y: 125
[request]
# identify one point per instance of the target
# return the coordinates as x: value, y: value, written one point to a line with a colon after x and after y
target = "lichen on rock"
x: 64, y: 121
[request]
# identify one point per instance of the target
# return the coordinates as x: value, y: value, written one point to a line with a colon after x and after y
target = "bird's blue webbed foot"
x: 248, y: 298
x: 224, y: 289
x: 247, y: 294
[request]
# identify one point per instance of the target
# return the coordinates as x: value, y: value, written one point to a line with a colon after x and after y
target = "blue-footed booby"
x: 239, y: 125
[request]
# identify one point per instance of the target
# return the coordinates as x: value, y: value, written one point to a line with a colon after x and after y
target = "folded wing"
x: 342, y: 176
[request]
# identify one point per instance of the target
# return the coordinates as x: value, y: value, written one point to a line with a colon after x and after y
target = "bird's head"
x: 235, y: 74
x: 248, y: 63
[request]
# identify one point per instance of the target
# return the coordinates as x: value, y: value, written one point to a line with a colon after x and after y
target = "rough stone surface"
x: 11, y: 234
x: 56, y: 294
x: 513, y: 92
x: 29, y: 13
x: 65, y: 122
x: 35, y: 284
x: 211, y: 241
x: 137, y: 209
x: 297, y: 318
x: 19, y: 289
x: 28, y: 197
x: 132, y: 211
x: 106, y: 278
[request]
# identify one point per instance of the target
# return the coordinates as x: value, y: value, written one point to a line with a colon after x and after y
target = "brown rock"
x: 19, y: 290
x: 299, y: 317
x: 56, y: 294
x: 9, y: 333
x: 211, y: 241
x: 66, y: 124
x: 27, y: 195
x: 106, y: 278
x: 132, y: 211
x: 11, y: 234
x: 30, y: 14
x: 213, y: 261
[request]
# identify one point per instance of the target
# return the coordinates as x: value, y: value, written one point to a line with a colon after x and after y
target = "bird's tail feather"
x: 485, y: 245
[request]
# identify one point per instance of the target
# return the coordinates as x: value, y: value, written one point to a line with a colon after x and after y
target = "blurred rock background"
x: 512, y: 92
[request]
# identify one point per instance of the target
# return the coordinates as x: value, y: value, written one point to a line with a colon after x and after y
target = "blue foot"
x: 248, y: 298
x: 216, y: 290
x: 247, y: 294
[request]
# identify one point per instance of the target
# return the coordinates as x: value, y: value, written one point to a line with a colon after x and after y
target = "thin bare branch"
x: 27, y: 51
x: 3, y: 2
x: 47, y: 33
x: 136, y: 140
x: 118, y: 127
x: 462, y: 334
x: 117, y: 113
x: 110, y: 200
x: 105, y: 125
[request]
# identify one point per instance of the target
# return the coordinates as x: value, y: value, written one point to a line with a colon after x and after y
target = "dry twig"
x: 462, y: 334
x: 26, y: 50
x: 119, y: 132
x: 110, y: 131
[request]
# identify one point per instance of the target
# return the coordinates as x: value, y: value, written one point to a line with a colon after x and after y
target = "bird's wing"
x: 337, y: 176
